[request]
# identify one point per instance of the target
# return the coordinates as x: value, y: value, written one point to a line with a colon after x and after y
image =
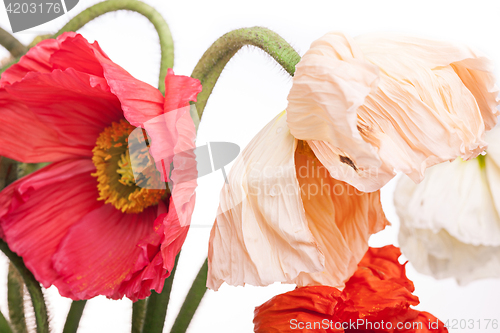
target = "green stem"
x: 12, y: 44
x: 138, y: 312
x: 192, y: 301
x: 34, y: 289
x: 74, y: 316
x: 156, y: 308
x: 15, y: 298
x: 166, y: 41
x: 4, y: 324
x: 216, y: 57
x: 8, y: 171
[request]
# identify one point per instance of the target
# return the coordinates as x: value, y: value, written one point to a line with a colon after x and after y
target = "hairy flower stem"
x: 223, y: 49
x: 34, y: 289
x: 4, y: 324
x: 138, y: 312
x: 208, y: 71
x: 156, y: 308
x: 12, y: 45
x: 74, y: 316
x: 166, y: 41
x: 192, y: 301
x: 15, y: 298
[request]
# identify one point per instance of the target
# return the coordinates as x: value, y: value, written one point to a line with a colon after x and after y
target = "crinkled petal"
x: 433, y: 103
x: 37, y: 211
x: 340, y: 218
x: 492, y: 165
x: 261, y: 234
x: 37, y: 59
x: 455, y: 198
x: 450, y: 223
x: 27, y: 139
x: 442, y: 256
x: 77, y: 53
x: 140, y: 101
x: 377, y: 296
x: 104, y: 249
x: 421, y: 58
x: 183, y: 186
x: 283, y: 313
x: 379, y: 289
x: 180, y: 90
x: 76, y: 105
x: 331, y: 82
x: 173, y: 142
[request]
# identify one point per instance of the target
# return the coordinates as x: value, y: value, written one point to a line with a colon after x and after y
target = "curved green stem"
x: 166, y: 41
x: 156, y: 308
x: 192, y: 301
x: 12, y: 44
x: 74, y: 316
x: 138, y: 312
x: 34, y: 289
x: 15, y: 298
x: 4, y: 324
x: 217, y: 56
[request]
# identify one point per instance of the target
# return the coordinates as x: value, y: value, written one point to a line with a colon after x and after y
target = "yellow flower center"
x: 117, y: 184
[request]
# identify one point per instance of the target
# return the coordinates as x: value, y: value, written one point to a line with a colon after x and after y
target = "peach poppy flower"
x: 359, y: 110
x: 375, y: 105
x: 283, y: 218
x: 450, y: 223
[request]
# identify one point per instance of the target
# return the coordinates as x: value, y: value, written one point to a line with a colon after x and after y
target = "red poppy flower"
x: 377, y: 298
x: 82, y: 223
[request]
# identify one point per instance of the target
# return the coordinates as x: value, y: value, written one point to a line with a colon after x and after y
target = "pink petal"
x: 106, y: 251
x: 76, y: 105
x: 70, y: 50
x: 27, y: 139
x: 175, y: 235
x: 165, y: 130
x: 77, y: 53
x: 37, y: 211
x: 139, y: 100
x: 36, y: 60
x: 180, y: 90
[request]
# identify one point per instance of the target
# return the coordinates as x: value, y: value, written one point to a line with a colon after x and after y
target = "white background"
x: 250, y: 92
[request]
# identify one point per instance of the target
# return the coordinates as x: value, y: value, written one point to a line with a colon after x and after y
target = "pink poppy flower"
x: 82, y: 223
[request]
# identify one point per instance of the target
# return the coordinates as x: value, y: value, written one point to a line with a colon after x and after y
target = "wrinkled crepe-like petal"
x: 450, y: 224
x: 261, y: 233
x: 101, y: 252
x: 368, y: 113
x: 76, y: 105
x: 37, y: 211
x: 36, y: 142
x: 340, y: 218
x: 378, y: 292
x: 282, y: 218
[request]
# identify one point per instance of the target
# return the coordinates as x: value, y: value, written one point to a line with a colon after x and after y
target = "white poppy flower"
x: 450, y: 223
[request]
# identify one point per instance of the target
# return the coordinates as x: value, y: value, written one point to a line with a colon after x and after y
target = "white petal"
x: 261, y: 233
x: 454, y: 197
x: 443, y: 256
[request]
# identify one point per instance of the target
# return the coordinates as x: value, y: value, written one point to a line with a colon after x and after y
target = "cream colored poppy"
x: 282, y: 218
x: 450, y: 223
x: 376, y: 105
x: 359, y: 111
